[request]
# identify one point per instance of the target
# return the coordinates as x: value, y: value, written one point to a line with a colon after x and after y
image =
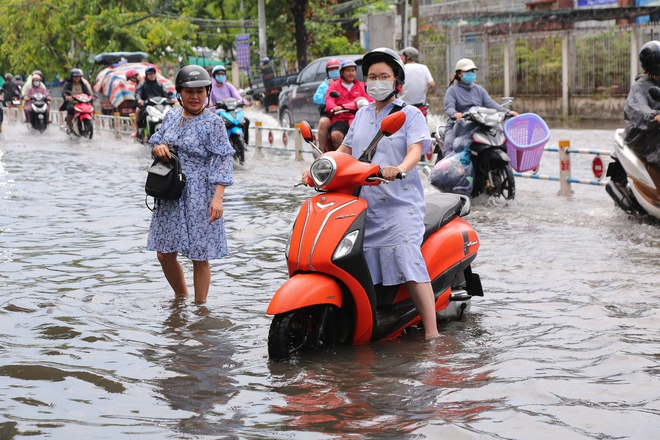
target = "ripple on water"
x: 563, y: 345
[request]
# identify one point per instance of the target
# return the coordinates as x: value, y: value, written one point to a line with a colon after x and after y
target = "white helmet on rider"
x: 464, y: 65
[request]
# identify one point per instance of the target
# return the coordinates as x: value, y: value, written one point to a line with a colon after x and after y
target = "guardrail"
x: 298, y: 142
x: 117, y: 124
x: 565, y: 179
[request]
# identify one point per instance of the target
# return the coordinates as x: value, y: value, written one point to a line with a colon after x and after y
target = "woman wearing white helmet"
x: 463, y: 95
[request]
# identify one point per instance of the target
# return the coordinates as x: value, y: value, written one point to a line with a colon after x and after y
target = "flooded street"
x: 564, y: 344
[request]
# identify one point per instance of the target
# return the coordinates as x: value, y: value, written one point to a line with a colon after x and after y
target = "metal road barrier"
x: 117, y: 124
x: 565, y: 179
x: 286, y: 133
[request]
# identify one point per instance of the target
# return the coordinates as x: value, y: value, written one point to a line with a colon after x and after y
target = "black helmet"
x: 649, y: 56
x: 387, y: 55
x: 411, y: 53
x: 192, y: 76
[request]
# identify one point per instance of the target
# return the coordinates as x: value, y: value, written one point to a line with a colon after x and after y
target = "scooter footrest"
x: 459, y: 295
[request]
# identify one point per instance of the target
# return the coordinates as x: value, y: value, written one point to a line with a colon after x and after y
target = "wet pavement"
x: 564, y: 344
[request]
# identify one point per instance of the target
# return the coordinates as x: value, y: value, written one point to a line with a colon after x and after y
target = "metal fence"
x: 599, y: 59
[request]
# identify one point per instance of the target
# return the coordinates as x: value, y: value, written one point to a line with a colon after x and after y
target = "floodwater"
x: 564, y: 344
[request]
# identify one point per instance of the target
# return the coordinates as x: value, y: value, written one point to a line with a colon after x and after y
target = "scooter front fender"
x: 305, y: 290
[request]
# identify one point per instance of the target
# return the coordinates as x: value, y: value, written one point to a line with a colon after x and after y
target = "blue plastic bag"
x: 454, y: 173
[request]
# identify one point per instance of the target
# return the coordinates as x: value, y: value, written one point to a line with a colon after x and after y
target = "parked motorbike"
x: 83, y: 116
x: 156, y: 108
x: 635, y: 182
x: 231, y: 111
x: 329, y: 298
x: 40, y: 111
x: 492, y: 165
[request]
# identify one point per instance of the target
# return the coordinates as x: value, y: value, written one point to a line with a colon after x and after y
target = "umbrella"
x: 112, y: 82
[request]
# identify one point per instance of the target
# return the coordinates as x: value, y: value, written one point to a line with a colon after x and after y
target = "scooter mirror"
x: 655, y: 93
x: 306, y: 132
x: 392, y: 123
x: 334, y: 94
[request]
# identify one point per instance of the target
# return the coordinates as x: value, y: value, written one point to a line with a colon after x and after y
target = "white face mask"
x: 36, y: 82
x: 380, y: 90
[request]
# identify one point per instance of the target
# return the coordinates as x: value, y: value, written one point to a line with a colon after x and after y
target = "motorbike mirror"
x: 655, y: 93
x: 392, y: 123
x: 306, y: 132
x: 334, y: 94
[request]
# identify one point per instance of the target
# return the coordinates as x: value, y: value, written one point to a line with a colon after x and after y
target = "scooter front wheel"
x: 293, y: 333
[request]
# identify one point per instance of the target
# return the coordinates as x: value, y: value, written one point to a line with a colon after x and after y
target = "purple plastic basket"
x: 526, y: 135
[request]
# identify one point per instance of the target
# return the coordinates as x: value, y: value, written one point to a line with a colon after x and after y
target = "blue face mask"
x: 334, y: 74
x: 469, y: 77
x: 220, y: 78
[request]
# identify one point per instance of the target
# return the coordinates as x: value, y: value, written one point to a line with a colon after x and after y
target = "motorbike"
x: 492, y: 165
x: 231, y: 112
x: 634, y: 181
x: 330, y: 298
x: 424, y: 108
x: 40, y: 112
x: 156, y: 108
x: 83, y: 116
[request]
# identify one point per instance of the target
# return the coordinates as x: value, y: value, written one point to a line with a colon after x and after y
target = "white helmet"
x: 464, y: 65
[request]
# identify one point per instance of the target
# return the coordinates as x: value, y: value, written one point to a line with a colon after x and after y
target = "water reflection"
x: 199, y: 356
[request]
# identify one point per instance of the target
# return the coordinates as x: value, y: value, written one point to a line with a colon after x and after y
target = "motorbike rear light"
x: 323, y: 170
x: 346, y: 245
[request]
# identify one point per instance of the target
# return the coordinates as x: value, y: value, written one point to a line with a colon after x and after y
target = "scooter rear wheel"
x: 296, y: 332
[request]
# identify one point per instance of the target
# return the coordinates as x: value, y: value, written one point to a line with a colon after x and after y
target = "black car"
x: 297, y: 102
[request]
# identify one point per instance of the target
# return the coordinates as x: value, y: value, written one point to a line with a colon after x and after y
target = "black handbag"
x: 165, y: 180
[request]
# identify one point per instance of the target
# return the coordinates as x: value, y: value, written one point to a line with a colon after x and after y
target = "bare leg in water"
x: 422, y: 296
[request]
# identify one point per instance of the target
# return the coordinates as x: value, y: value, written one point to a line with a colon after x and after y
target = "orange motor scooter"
x: 330, y: 297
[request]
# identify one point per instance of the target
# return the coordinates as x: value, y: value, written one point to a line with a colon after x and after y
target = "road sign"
x: 597, y: 167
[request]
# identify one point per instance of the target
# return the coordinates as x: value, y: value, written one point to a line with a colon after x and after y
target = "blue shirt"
x: 395, y: 216
x: 319, y: 96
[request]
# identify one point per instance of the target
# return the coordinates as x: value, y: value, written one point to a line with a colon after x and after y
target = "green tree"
x: 56, y: 35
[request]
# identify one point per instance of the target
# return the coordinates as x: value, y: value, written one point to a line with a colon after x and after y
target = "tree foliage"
x: 56, y: 35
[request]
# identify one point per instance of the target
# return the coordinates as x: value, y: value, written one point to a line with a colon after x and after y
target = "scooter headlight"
x: 346, y: 245
x: 323, y: 170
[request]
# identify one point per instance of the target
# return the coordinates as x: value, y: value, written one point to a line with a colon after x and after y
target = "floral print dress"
x: 184, y: 225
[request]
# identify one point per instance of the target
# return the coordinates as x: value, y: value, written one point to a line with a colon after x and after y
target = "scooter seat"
x: 441, y: 208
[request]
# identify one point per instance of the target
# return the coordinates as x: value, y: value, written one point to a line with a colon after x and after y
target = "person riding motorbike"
x: 419, y: 79
x: 642, y: 112
x: 332, y: 74
x: 10, y: 89
x: 36, y: 86
x: 395, y: 215
x: 221, y: 88
x: 74, y: 86
x: 149, y: 88
x: 28, y: 83
x: 349, y: 89
x: 462, y: 96
x: 133, y: 76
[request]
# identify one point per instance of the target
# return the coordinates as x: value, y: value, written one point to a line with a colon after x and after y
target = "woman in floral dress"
x: 192, y: 225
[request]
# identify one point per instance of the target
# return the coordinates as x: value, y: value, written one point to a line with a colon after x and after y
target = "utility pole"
x: 414, y: 25
x: 261, y: 10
